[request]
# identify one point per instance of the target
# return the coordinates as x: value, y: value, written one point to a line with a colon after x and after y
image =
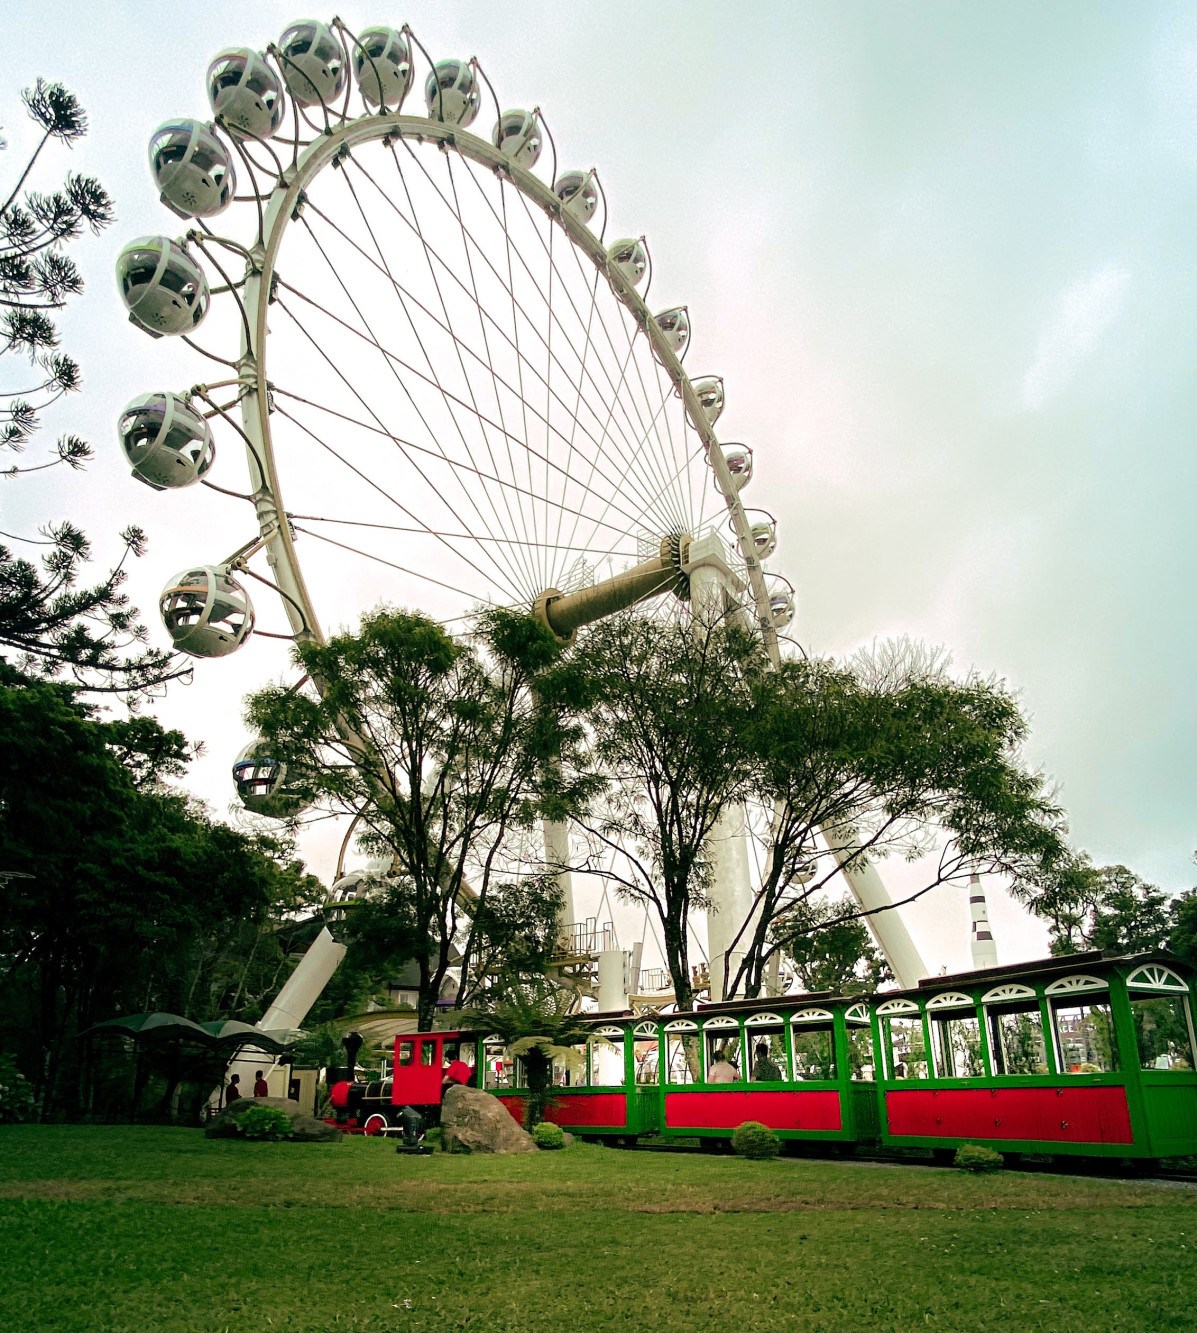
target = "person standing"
x: 233, y: 1091
x: 260, y: 1088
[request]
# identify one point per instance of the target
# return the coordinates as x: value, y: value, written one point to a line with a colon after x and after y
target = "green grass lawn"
x: 141, y: 1228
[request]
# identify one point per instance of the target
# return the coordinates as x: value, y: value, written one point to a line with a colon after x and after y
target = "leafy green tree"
x: 666, y: 705
x: 440, y: 747
x: 1182, y: 938
x: 890, y: 763
x: 51, y: 624
x: 117, y: 895
x: 828, y: 947
x: 1106, y: 907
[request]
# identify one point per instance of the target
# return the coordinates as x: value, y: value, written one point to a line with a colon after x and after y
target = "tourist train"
x: 1084, y: 1055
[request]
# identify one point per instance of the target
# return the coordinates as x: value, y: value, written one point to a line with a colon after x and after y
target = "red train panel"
x: 580, y: 1110
x: 778, y: 1110
x: 1040, y: 1115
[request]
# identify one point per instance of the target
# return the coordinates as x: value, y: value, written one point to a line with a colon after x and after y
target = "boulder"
x: 474, y: 1121
x: 304, y: 1128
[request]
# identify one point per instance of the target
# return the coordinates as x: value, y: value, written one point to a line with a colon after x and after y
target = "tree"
x: 666, y: 704
x: 829, y: 947
x: 1182, y: 938
x: 1108, y: 908
x: 890, y: 763
x: 440, y: 746
x: 49, y: 624
x: 118, y: 895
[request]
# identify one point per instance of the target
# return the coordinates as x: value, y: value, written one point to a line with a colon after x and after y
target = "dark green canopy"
x: 225, y: 1036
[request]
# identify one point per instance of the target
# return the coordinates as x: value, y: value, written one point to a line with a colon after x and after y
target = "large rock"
x: 304, y: 1128
x: 474, y: 1121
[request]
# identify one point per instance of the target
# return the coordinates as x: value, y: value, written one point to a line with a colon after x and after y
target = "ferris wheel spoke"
x: 529, y: 572
x: 527, y: 516
x: 467, y: 492
x: 608, y: 396
x: 408, y: 453
x: 370, y: 482
x: 403, y: 364
x: 615, y: 395
x: 486, y: 361
x: 633, y: 445
x: 390, y: 564
x: 404, y: 444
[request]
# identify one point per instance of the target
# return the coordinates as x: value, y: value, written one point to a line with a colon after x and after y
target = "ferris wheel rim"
x: 255, y: 407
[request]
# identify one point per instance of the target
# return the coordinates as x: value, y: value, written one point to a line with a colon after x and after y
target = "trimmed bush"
x: 548, y: 1136
x: 752, y: 1139
x: 973, y: 1157
x: 262, y: 1123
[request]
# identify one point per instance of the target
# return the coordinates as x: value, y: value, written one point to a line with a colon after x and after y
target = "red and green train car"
x: 1085, y: 1055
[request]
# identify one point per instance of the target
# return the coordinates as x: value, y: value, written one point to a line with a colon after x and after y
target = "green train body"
x: 1084, y: 1055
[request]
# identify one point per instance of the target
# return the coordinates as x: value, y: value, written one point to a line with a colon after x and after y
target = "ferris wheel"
x: 449, y: 383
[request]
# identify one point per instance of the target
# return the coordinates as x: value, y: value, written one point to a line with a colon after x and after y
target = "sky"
x: 942, y: 256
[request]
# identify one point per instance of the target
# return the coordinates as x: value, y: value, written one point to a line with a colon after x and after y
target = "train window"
x: 427, y: 1053
x: 1016, y: 1041
x: 681, y: 1058
x: 646, y: 1056
x: 1084, y: 1034
x: 723, y: 1055
x: 570, y: 1067
x: 768, y: 1050
x: 497, y: 1061
x: 814, y: 1052
x: 405, y: 1054
x: 862, y: 1059
x: 1163, y: 1033
x: 956, y: 1044
x: 606, y: 1062
x: 906, y: 1051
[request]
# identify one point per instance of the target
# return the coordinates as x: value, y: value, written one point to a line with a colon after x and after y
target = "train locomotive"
x: 1082, y: 1056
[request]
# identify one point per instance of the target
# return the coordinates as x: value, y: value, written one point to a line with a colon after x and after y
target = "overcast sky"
x: 942, y: 255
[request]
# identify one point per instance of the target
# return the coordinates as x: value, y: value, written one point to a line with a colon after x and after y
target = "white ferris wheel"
x: 450, y: 384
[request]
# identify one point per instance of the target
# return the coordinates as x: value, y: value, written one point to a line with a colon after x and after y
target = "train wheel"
x: 376, y: 1122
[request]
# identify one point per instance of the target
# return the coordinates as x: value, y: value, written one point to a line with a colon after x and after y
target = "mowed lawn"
x: 146, y: 1229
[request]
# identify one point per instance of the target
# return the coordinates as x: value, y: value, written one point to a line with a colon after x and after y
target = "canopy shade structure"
x: 224, y: 1036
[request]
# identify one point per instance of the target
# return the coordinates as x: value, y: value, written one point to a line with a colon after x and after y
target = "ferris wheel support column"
x: 715, y: 592
x: 556, y: 855
x: 888, y: 928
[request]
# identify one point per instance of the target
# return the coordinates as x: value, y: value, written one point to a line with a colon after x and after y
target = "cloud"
x: 1082, y: 314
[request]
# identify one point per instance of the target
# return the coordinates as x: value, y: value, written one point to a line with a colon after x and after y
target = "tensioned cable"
x: 507, y: 435
x: 536, y: 220
x: 357, y: 333
x: 677, y: 516
x: 432, y: 369
x: 278, y: 408
x: 374, y: 342
x: 487, y: 361
x: 426, y: 249
x: 420, y: 531
x: 403, y: 444
x: 381, y: 560
x: 635, y: 445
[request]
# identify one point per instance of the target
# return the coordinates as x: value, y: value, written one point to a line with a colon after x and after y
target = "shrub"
x: 434, y: 1139
x: 752, y: 1139
x: 262, y: 1122
x: 16, y: 1093
x: 973, y: 1157
x: 548, y: 1136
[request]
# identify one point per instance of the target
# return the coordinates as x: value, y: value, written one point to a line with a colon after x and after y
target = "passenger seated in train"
x: 722, y: 1070
x: 764, y: 1068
